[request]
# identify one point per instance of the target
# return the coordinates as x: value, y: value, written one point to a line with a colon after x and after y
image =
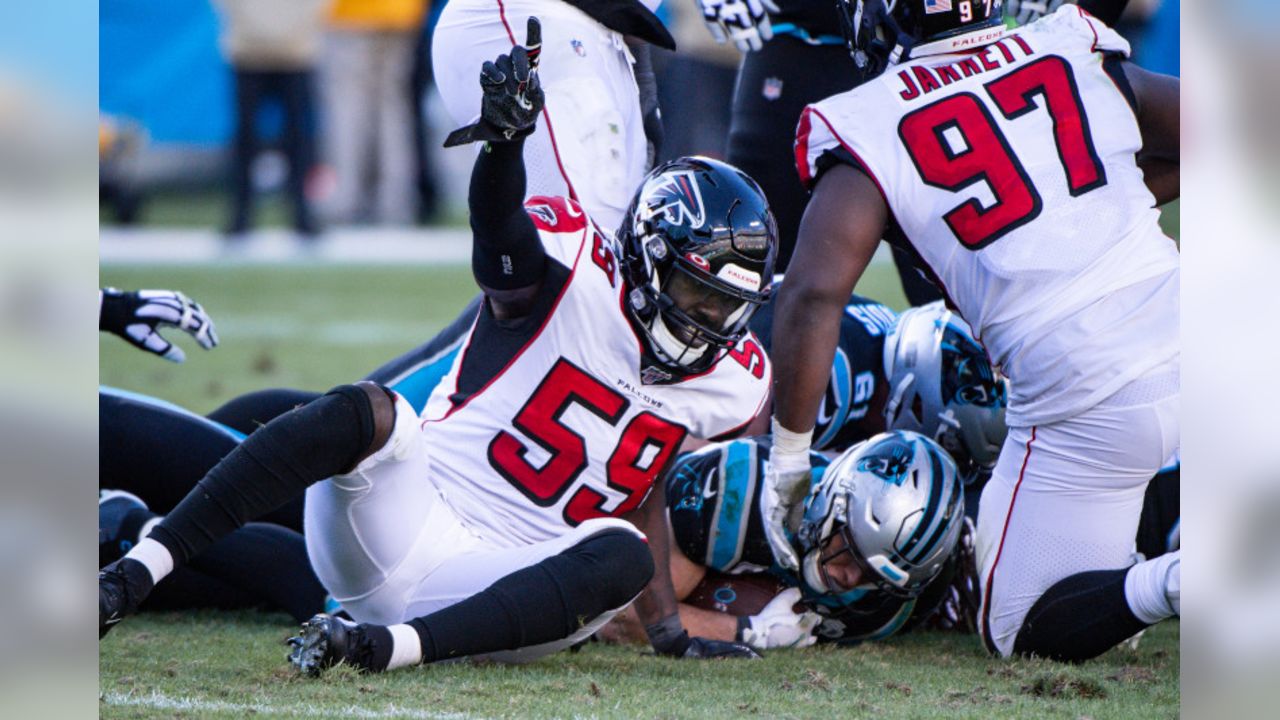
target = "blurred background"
x: 320, y: 116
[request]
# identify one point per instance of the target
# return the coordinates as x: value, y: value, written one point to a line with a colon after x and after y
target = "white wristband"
x: 790, y: 449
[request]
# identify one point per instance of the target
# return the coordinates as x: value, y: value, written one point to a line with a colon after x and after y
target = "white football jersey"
x: 1011, y: 172
x: 545, y: 422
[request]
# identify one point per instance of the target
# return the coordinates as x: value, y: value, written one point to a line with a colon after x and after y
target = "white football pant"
x: 1066, y: 498
x: 386, y: 544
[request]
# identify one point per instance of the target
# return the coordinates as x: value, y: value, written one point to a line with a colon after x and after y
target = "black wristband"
x: 668, y: 636
x: 744, y: 622
x: 115, y: 310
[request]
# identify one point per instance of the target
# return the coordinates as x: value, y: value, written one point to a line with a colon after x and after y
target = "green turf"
x: 317, y: 326
x: 212, y: 664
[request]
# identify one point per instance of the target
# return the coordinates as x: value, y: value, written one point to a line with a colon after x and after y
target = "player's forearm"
x: 806, y: 327
x: 506, y: 253
x: 658, y: 601
x: 709, y: 623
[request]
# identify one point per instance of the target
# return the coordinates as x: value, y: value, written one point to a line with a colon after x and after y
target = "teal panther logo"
x: 888, y: 461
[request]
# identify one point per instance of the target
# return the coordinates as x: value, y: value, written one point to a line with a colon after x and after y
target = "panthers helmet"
x: 897, y: 502
x: 886, y: 32
x: 698, y: 246
x: 942, y: 385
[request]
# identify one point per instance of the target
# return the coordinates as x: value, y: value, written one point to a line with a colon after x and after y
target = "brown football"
x: 735, y: 594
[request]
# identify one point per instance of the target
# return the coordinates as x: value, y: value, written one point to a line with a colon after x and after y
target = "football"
x: 739, y: 595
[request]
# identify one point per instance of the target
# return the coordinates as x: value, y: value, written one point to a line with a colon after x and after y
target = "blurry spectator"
x: 272, y: 46
x: 120, y: 142
x: 367, y: 71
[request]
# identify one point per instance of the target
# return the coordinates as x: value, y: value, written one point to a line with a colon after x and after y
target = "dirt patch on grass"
x: 1061, y: 686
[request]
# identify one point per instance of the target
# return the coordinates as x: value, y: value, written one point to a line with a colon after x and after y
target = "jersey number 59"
x: 644, y: 446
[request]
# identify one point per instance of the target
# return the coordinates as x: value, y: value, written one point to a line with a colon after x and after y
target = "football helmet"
x: 698, y: 246
x: 886, y: 32
x: 899, y: 507
x: 942, y: 385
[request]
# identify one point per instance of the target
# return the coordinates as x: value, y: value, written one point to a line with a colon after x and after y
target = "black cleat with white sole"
x: 326, y: 641
x: 122, y: 586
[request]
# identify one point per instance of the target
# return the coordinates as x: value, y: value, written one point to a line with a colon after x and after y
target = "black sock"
x: 379, y: 648
x: 1078, y: 618
x: 272, y: 466
x: 541, y: 603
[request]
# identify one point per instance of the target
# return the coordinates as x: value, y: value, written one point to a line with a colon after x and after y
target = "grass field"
x: 317, y: 326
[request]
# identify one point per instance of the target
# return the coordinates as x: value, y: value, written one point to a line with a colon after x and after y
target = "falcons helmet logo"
x: 677, y: 195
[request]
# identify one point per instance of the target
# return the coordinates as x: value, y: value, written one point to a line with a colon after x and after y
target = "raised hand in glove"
x: 512, y: 95
x: 786, y: 482
x: 745, y: 22
x: 779, y: 625
x: 138, y: 316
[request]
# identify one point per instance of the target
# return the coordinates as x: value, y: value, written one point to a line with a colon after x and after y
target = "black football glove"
x: 714, y: 649
x: 669, y: 638
x: 137, y: 317
x: 512, y: 94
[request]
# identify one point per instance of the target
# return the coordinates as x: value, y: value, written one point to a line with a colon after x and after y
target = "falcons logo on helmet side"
x: 677, y: 195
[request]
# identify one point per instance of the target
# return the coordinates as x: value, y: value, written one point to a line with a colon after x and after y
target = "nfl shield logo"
x: 772, y: 89
x: 936, y: 6
x: 578, y: 48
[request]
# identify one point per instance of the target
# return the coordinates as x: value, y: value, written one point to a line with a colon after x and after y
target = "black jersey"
x: 816, y: 17
x: 855, y: 394
x: 714, y: 502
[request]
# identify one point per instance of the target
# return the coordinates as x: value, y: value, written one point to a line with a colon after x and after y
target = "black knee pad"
x: 622, y: 563
x: 1078, y: 618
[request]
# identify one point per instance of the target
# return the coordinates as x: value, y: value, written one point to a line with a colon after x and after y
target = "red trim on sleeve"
x: 862, y: 164
x: 1089, y: 19
x: 516, y: 357
x: 802, y: 147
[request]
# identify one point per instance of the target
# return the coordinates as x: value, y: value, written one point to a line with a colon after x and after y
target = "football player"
x: 1024, y: 167
x: 782, y: 43
x: 590, y: 362
x: 853, y: 585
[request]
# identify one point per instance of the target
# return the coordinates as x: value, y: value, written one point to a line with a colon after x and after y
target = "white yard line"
x: 160, y: 701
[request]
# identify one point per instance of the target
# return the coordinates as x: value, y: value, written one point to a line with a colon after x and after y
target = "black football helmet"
x: 698, y: 246
x: 885, y: 32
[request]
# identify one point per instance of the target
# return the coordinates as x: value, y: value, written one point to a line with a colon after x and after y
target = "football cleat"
x: 122, y: 586
x: 114, y: 507
x: 326, y: 641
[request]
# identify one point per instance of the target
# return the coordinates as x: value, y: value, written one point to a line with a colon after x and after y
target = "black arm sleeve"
x: 1108, y: 11
x: 507, y: 253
